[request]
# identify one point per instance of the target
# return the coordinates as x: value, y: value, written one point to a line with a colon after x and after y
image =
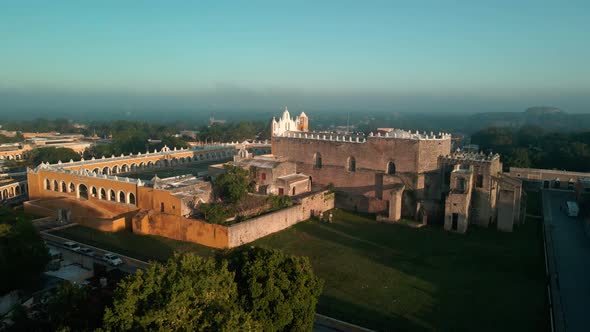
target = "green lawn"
x: 393, y: 277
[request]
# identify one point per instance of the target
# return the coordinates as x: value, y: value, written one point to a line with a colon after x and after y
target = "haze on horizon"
x: 330, y: 55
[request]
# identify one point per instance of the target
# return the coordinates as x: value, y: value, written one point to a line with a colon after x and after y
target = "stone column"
x: 395, y: 204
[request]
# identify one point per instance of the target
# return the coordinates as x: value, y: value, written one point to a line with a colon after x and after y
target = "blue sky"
x: 472, y: 49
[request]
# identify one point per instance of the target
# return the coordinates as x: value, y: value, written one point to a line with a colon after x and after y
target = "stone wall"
x: 179, y: 228
x: 273, y: 222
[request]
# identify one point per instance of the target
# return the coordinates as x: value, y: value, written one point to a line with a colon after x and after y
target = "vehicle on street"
x: 86, y: 251
x: 71, y: 245
x: 112, y: 259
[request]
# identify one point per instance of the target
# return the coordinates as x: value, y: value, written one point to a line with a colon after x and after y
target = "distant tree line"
x: 531, y: 146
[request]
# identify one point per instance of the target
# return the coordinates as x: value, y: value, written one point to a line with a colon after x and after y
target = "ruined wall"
x: 273, y: 222
x: 506, y: 210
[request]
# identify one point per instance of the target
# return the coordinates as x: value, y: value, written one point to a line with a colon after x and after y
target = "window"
x: 293, y: 191
x: 479, y: 181
x: 391, y: 168
x: 351, y: 164
x: 112, y: 196
x: 461, y: 184
x: 281, y: 191
x: 263, y: 176
x: 93, y: 191
x: 82, y: 191
x: 72, y: 187
x: 47, y: 184
x: 317, y: 160
x: 63, y: 187
x: 103, y: 193
x: 55, y: 185
x: 131, y: 198
x: 121, y: 197
x: 455, y: 221
x: 161, y: 207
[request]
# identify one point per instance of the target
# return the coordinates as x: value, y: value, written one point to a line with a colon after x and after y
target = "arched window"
x: 82, y: 191
x: 317, y: 160
x: 112, y: 196
x: 64, y: 188
x: 72, y: 187
x: 47, y: 184
x: 115, y: 169
x: 131, y: 199
x: 121, y: 197
x: 103, y: 194
x: 124, y: 168
x: 351, y: 164
x: 105, y: 170
x: 93, y: 192
x: 391, y: 168
x: 55, y: 185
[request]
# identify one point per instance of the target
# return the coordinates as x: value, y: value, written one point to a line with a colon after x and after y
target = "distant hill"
x: 543, y: 110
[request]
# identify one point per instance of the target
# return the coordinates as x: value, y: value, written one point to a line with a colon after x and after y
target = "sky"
x: 428, y: 55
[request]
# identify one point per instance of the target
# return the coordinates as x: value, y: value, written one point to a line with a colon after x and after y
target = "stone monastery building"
x: 398, y: 173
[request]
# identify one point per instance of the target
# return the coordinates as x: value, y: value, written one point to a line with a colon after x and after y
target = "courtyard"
x: 393, y: 277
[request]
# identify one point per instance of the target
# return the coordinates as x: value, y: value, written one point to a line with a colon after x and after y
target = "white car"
x: 72, y: 245
x: 86, y: 251
x: 112, y: 259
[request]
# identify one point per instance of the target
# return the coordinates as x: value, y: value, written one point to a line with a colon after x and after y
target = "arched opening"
x: 5, y: 194
x: 96, y: 171
x: 112, y: 196
x: 317, y: 160
x: 351, y: 164
x: 72, y: 187
x: 82, y: 191
x: 125, y: 168
x: 133, y: 167
x: 161, y: 207
x: 121, y: 197
x: 131, y: 199
x: 390, y: 168
x: 64, y: 188
x: 47, y: 184
x: 157, y: 163
x: 11, y: 193
x: 106, y: 170
x: 103, y: 194
x: 115, y: 170
x: 150, y: 164
x: 17, y: 189
x: 293, y: 193
x: 55, y: 185
x: 93, y: 192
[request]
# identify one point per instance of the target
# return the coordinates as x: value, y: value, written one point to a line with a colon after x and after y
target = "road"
x: 571, y: 248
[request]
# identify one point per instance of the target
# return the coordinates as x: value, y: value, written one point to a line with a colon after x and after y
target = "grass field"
x: 396, y: 278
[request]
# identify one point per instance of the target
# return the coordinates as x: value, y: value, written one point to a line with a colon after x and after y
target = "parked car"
x: 112, y: 259
x: 86, y: 251
x: 72, y: 245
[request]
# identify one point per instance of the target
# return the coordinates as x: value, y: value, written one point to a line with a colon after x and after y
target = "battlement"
x: 470, y: 156
x: 361, y: 138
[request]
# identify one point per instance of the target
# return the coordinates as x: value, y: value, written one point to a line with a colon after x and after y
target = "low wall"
x: 273, y: 222
x: 179, y: 228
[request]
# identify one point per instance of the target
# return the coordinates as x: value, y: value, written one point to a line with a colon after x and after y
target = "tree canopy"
x: 279, y: 290
x: 23, y: 254
x: 188, y: 293
x: 53, y: 155
x: 233, y: 185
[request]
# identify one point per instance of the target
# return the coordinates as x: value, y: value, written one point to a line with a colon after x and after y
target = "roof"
x: 292, y: 178
x: 260, y: 162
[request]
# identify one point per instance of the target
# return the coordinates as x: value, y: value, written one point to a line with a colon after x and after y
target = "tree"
x: 233, y: 185
x: 23, y: 254
x: 53, y: 155
x: 187, y: 293
x: 72, y: 307
x: 280, y: 291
